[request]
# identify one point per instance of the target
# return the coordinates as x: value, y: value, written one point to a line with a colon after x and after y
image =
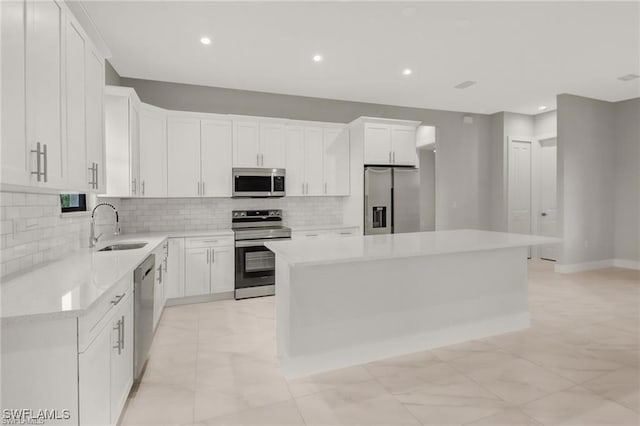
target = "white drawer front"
x: 204, y: 242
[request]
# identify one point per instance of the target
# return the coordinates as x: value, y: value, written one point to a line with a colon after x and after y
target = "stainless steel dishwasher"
x: 143, y: 287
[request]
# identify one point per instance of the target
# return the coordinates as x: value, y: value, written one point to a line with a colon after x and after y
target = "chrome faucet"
x: 92, y: 238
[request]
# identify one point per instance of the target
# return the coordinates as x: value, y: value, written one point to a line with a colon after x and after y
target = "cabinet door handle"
x: 390, y: 157
x: 198, y: 187
x: 207, y: 256
x: 257, y: 159
x: 213, y: 255
x: 122, y: 335
x: 209, y: 241
x: 38, y: 153
x: 96, y: 172
x: 204, y: 191
x: 46, y: 161
x: 394, y: 157
x: 119, y: 345
x: 262, y: 160
x: 325, y: 187
x: 143, y: 187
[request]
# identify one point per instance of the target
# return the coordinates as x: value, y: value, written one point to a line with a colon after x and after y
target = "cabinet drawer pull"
x: 122, y: 335
x: 117, y: 299
x: 311, y: 235
x: 346, y: 233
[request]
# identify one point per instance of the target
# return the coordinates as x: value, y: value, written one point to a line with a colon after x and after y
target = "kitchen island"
x: 348, y: 301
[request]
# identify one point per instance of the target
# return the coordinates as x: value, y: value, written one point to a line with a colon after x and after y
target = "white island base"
x: 361, y: 299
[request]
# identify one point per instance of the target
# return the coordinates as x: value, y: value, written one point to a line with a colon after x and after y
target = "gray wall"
x: 586, y: 179
x: 627, y: 180
x: 545, y: 123
x: 427, y: 189
x: 459, y: 174
x: 111, y: 76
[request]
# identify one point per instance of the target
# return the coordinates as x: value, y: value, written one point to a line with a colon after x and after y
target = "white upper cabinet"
x: 390, y: 142
x: 153, y: 152
x: 258, y: 144
x: 75, y: 114
x: 122, y: 133
x: 377, y: 147
x: 49, y: 101
x: 246, y: 144
x: 272, y: 145
x: 314, y: 159
x: 295, y: 161
x: 183, y: 157
x: 336, y: 161
x: 215, y: 157
x: 199, y: 156
x: 403, y: 146
x: 15, y: 158
x: 94, y: 77
x: 317, y: 160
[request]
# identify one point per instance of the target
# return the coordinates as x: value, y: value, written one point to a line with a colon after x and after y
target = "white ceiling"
x: 522, y: 54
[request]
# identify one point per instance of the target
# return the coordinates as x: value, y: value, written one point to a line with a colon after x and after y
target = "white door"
x: 246, y: 144
x: 183, y: 155
x: 377, y: 143
x: 222, y: 269
x: 174, y: 283
x: 548, y: 185
x: 121, y: 355
x: 134, y: 147
x: 197, y: 277
x: 314, y: 152
x: 216, y: 157
x: 94, y: 388
x: 76, y: 155
x: 95, y: 119
x: 44, y: 88
x: 272, y: 145
x: 153, y: 153
x: 403, y: 146
x: 519, y: 184
x: 15, y: 151
x: 294, y: 161
x: 336, y: 161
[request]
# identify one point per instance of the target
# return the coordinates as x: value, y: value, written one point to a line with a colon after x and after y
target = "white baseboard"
x: 598, y: 264
x: 627, y: 264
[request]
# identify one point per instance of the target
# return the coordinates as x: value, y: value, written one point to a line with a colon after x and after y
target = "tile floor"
x: 578, y: 364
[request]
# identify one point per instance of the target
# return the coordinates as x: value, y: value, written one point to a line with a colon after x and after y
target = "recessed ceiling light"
x: 205, y: 40
x: 628, y: 77
x: 317, y: 58
x: 407, y: 71
x: 465, y: 84
x: 542, y: 107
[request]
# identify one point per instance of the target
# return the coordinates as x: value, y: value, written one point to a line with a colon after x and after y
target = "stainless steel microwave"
x: 252, y: 182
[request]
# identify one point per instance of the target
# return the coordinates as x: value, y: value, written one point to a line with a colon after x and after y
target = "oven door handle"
x: 254, y: 243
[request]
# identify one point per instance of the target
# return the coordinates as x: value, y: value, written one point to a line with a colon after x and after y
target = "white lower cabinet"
x: 174, y: 285
x: 324, y: 233
x: 209, y: 266
x: 161, y: 254
x: 105, y: 360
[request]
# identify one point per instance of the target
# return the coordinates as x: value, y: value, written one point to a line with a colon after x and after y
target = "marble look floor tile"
x: 580, y: 407
x: 514, y: 379
x: 408, y: 380
x: 159, y: 405
x: 451, y: 400
x: 452, y: 352
x: 506, y: 417
x: 400, y: 364
x: 622, y: 386
x: 281, y: 414
x: 329, y: 380
x: 365, y: 403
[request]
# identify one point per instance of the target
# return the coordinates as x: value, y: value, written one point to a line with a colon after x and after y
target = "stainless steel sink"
x: 123, y: 246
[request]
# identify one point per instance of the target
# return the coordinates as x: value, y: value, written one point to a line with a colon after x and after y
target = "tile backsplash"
x: 186, y: 214
x: 33, y: 231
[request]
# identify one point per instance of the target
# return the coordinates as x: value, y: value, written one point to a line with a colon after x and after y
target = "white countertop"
x: 68, y: 287
x: 390, y: 246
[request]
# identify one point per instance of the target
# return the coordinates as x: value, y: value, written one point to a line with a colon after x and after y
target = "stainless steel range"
x: 256, y: 264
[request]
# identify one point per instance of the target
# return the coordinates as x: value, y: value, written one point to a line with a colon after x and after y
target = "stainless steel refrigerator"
x: 391, y: 200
